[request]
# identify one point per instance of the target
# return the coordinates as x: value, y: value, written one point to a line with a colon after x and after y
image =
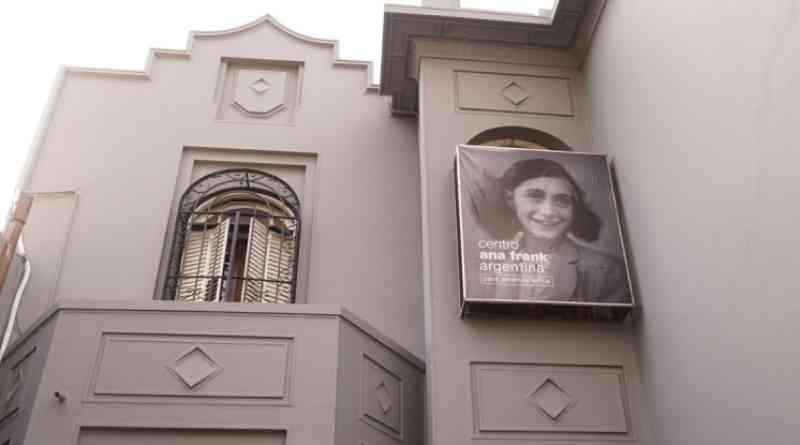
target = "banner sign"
x: 539, y: 227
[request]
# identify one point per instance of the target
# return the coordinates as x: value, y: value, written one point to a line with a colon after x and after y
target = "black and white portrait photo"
x: 539, y: 226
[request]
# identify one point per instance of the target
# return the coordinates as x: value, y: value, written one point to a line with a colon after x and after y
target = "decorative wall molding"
x: 267, y: 20
x: 562, y: 40
x: 382, y: 394
x: 258, y: 91
x: 195, y: 366
x: 515, y: 93
x: 510, y: 399
x: 222, y: 310
x: 492, y: 92
x: 549, y: 397
x: 192, y: 368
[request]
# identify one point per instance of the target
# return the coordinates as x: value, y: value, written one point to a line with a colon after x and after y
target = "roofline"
x: 561, y: 40
x: 469, y: 14
x: 186, y: 53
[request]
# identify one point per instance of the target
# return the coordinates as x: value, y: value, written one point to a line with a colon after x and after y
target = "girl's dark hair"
x: 585, y: 223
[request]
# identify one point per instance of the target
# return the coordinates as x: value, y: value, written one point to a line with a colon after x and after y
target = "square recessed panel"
x: 258, y: 91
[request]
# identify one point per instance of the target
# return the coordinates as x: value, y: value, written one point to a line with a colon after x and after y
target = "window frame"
x: 237, y: 182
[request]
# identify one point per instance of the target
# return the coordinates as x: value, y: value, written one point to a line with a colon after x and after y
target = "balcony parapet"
x: 163, y: 369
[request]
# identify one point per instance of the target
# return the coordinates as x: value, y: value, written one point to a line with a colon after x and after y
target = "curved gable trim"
x: 193, y: 35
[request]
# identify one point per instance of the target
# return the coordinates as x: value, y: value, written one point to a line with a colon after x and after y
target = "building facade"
x: 253, y: 242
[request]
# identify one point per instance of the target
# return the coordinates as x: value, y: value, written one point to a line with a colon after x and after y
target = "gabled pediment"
x: 199, y: 36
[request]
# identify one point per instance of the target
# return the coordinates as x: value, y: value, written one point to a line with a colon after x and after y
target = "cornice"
x: 458, y: 34
x: 469, y: 14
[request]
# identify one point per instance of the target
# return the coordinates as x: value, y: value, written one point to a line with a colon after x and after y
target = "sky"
x: 38, y: 36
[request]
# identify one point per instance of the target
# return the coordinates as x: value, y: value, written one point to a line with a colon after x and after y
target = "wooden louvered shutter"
x: 203, y: 264
x: 255, y: 262
x: 280, y: 264
x: 269, y: 265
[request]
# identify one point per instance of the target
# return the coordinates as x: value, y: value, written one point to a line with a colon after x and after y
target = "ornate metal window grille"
x: 237, y: 236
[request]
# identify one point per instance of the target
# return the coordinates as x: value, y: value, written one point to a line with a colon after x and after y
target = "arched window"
x: 236, y: 239
x: 518, y: 137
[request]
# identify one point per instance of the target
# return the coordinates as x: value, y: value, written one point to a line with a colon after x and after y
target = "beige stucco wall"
x: 119, y: 143
x: 167, y: 372
x: 463, y: 353
x: 697, y: 102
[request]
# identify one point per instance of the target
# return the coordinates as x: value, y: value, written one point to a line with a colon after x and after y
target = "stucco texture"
x: 697, y: 103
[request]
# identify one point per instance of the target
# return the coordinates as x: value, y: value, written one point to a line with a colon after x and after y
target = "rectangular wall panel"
x: 546, y: 95
x: 193, y: 367
x: 382, y: 397
x: 518, y: 398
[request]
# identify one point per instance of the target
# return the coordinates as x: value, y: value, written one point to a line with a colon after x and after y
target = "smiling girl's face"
x: 544, y: 207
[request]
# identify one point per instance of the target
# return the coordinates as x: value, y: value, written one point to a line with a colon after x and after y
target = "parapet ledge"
x: 287, y: 310
x: 186, y: 53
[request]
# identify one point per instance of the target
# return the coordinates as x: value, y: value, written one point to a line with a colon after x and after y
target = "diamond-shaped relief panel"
x: 515, y: 93
x: 195, y: 367
x: 551, y: 399
x: 260, y: 86
x: 260, y: 93
x: 384, y: 397
x: 258, y: 90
